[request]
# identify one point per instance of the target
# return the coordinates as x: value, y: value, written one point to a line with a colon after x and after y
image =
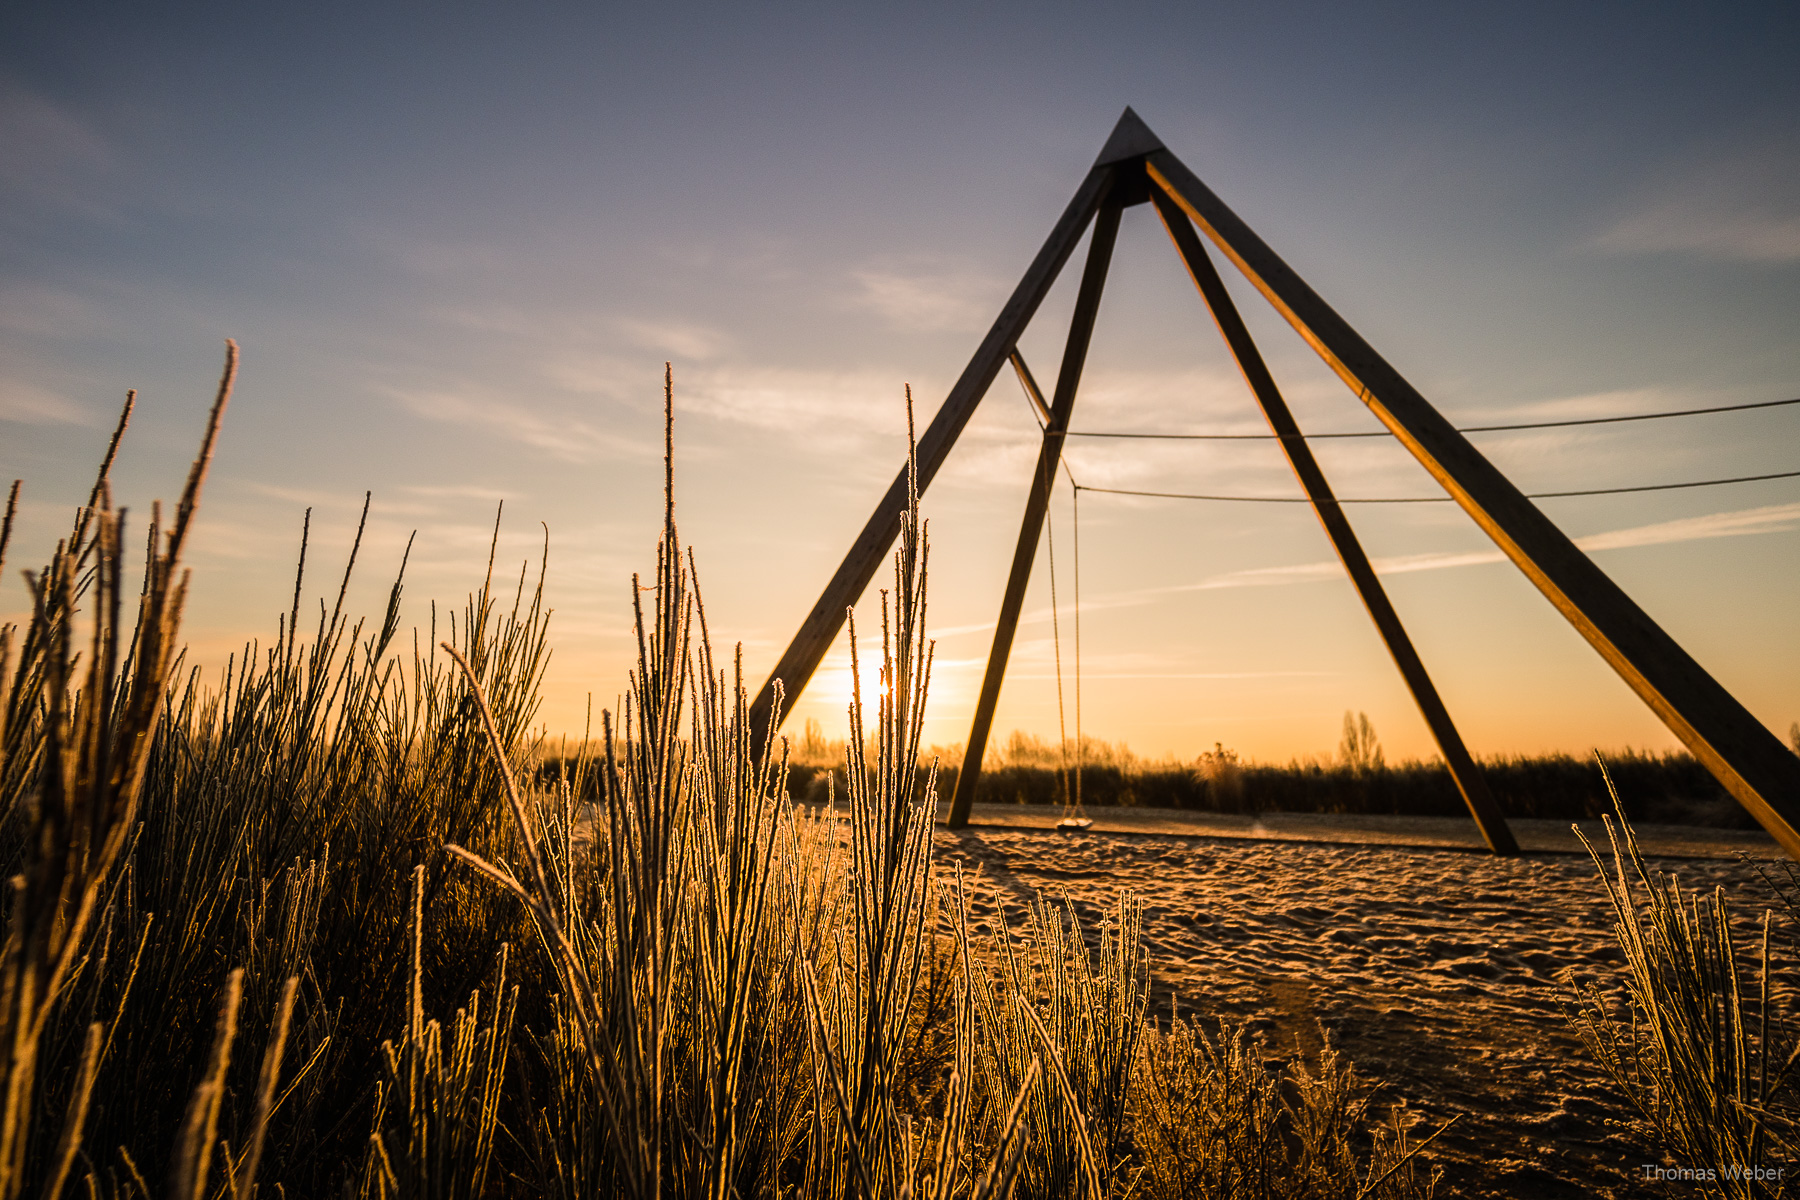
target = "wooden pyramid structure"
x: 1136, y: 168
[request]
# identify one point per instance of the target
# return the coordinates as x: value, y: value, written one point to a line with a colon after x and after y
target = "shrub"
x: 1213, y: 1123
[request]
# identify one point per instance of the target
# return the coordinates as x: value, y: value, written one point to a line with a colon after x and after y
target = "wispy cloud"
x: 1618, y: 403
x: 1043, y: 616
x: 410, y: 503
x: 1773, y: 518
x: 927, y: 296
x: 1741, y: 209
x: 1089, y: 676
x: 1770, y: 518
x: 306, y: 497
x: 835, y: 408
x: 557, y: 434
x: 37, y: 310
x: 50, y: 154
x: 1308, y: 572
x: 440, y: 259
x: 677, y: 339
x: 1684, y: 226
x: 28, y: 404
x: 460, y: 491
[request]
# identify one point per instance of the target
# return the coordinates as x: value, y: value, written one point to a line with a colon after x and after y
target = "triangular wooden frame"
x: 1135, y: 167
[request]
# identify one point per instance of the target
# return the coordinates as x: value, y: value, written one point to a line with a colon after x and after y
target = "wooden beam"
x: 1030, y: 384
x: 1037, y: 502
x: 1752, y: 763
x: 797, y: 664
x: 1463, y: 770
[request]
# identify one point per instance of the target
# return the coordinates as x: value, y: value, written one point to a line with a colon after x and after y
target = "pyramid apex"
x: 1131, y: 138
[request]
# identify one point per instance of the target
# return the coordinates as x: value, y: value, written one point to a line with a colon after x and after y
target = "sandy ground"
x: 1436, y: 970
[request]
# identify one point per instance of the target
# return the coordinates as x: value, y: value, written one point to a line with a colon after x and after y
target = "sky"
x: 457, y: 243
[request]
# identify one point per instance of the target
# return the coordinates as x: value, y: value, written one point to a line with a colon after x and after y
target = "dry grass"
x: 1700, y: 1042
x: 306, y: 932
x: 1212, y: 1122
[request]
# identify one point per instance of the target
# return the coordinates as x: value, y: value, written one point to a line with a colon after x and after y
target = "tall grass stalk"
x: 1040, y: 995
x: 860, y: 1006
x: 74, y: 747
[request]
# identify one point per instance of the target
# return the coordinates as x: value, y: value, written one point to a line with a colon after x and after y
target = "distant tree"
x: 1223, y: 775
x: 1794, y: 736
x: 1361, y: 749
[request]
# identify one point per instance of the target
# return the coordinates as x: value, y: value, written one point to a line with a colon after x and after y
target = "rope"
x: 1618, y: 491
x: 1272, y: 437
x: 1080, y: 740
x: 1062, y: 728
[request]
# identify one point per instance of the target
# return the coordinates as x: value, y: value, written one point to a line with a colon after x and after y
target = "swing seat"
x: 1074, y: 824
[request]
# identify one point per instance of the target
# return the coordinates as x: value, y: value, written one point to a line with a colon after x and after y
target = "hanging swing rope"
x: 1080, y: 739
x: 1074, y: 817
x: 1062, y: 728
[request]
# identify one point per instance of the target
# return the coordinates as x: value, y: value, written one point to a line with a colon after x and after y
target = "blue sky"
x: 457, y: 244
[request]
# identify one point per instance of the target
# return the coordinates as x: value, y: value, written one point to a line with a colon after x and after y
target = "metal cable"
x: 1648, y: 487
x: 1272, y: 437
